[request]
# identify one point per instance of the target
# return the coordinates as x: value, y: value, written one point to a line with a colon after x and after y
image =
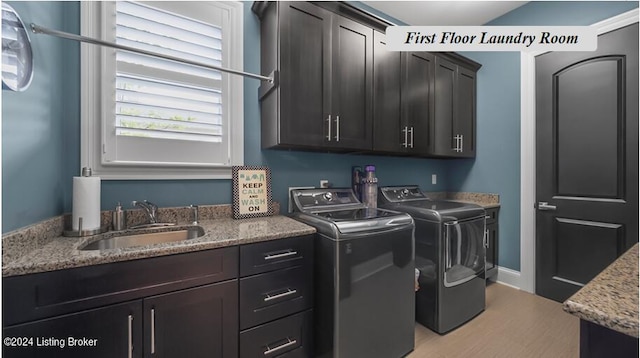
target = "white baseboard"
x: 508, y: 277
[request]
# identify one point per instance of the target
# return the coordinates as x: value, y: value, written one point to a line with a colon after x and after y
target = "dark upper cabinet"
x: 402, y: 100
x: 337, y: 88
x: 455, y: 112
x: 323, y: 96
x: 388, y: 130
x: 351, y: 85
x: 418, y: 102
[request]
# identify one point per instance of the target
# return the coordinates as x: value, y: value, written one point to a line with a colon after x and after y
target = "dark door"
x: 388, y: 136
x: 587, y: 161
x: 351, y: 84
x: 305, y: 35
x: 417, y: 101
x: 198, y: 322
x: 112, y: 331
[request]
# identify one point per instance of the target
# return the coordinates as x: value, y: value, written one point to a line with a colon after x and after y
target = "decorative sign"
x: 251, y: 192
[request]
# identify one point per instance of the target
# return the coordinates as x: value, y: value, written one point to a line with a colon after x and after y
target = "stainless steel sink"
x: 145, y: 239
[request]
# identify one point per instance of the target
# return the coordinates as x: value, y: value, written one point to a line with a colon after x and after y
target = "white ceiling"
x: 445, y: 13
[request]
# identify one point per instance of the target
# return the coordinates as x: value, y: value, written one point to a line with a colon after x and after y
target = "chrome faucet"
x: 149, y: 208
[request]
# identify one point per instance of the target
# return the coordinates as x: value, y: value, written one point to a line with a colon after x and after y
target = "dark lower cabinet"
x: 276, y: 299
x: 198, y: 322
x: 601, y: 342
x: 183, y: 305
x: 492, y: 233
x: 107, y: 332
x: 287, y: 337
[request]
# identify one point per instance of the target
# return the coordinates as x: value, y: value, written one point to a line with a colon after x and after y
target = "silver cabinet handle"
x: 329, y: 128
x: 457, y: 147
x: 461, y: 143
x: 130, y: 326
x: 153, y: 331
x: 486, y: 239
x: 278, y: 256
x: 282, y: 346
x: 337, y: 128
x: 405, y: 130
x: 411, y: 131
x: 280, y: 295
x: 544, y: 206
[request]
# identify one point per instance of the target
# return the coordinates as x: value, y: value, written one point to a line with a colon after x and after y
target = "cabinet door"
x: 388, y: 135
x: 445, y: 110
x: 305, y: 43
x: 112, y: 331
x: 198, y: 322
x: 417, y: 99
x: 465, y: 121
x: 351, y: 84
x: 492, y: 250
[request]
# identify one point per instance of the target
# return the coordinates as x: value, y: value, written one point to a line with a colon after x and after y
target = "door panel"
x: 304, y: 87
x: 351, y: 84
x: 198, y: 322
x: 386, y: 97
x: 587, y: 114
x: 466, y: 105
x: 444, y: 107
x: 584, y: 248
x: 586, y: 160
x: 418, y: 100
x: 116, y: 331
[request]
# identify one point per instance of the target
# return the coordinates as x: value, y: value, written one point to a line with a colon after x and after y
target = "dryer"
x: 450, y: 246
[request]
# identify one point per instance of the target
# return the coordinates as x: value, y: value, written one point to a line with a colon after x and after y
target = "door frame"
x: 527, y: 277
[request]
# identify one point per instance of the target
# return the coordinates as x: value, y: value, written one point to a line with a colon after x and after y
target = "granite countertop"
x: 611, y: 298
x: 62, y: 252
x: 487, y: 201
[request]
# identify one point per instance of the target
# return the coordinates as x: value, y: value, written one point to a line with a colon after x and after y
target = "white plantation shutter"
x: 159, y: 113
x: 148, y: 102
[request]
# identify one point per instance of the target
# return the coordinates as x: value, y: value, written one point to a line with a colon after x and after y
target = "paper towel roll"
x: 86, y: 202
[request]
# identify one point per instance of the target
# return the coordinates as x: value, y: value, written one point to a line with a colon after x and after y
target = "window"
x: 145, y: 117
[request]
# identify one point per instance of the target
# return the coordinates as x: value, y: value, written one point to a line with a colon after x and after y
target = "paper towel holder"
x: 86, y: 172
x: 83, y: 233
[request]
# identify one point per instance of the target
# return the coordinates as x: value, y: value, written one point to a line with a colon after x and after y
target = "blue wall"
x: 40, y: 127
x: 41, y: 139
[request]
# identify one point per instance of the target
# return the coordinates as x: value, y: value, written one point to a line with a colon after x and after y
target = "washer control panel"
x: 402, y: 193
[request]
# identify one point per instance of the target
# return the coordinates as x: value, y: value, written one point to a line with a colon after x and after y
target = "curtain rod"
x: 65, y: 35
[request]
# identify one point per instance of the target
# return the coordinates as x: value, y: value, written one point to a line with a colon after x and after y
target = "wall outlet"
x: 290, y: 206
x: 324, y: 183
x: 434, y: 179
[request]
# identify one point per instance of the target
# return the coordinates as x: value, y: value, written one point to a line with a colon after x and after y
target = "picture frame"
x: 251, y: 192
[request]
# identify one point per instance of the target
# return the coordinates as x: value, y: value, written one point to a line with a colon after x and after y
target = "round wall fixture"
x: 17, y: 57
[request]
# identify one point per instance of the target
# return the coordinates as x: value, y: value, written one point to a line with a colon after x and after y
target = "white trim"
x: 91, y: 25
x: 509, y: 277
x: 528, y: 151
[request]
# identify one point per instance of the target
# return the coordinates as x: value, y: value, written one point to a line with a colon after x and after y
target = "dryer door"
x: 464, y: 256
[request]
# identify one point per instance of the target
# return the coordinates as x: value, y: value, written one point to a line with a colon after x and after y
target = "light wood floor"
x: 515, y: 324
